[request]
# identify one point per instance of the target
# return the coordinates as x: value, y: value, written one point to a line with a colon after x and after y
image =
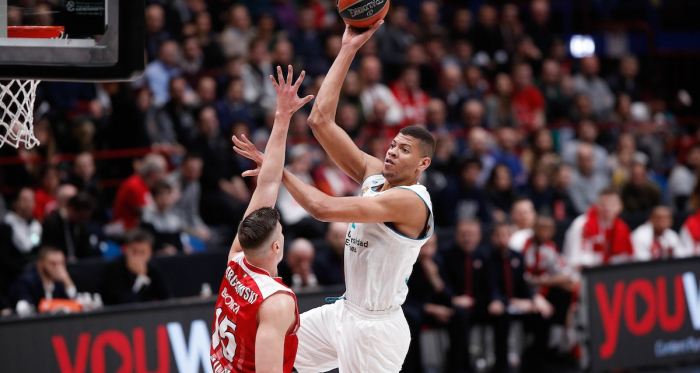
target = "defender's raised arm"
x: 335, y: 140
x: 270, y: 174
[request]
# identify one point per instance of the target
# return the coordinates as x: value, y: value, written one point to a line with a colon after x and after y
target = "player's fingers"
x: 280, y: 78
x: 376, y: 25
x: 244, y: 153
x: 274, y: 82
x: 247, y: 142
x: 241, y: 152
x: 306, y: 99
x: 248, y: 173
x: 301, y: 79
x: 290, y: 75
x: 238, y: 142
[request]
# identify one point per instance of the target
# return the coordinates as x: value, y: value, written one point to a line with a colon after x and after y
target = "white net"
x: 17, y: 113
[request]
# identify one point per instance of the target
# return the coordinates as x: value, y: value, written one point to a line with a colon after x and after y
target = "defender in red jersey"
x: 256, y: 317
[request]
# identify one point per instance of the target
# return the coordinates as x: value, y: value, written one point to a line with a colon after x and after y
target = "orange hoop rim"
x: 35, y: 32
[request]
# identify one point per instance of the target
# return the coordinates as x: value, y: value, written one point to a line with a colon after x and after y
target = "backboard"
x: 102, y: 40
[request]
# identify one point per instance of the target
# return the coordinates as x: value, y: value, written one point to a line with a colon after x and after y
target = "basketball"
x: 362, y: 13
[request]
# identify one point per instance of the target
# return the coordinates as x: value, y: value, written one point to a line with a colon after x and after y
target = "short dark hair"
x: 191, y: 155
x: 44, y: 251
x: 609, y: 191
x: 258, y: 227
x: 161, y: 187
x: 426, y: 140
x: 82, y: 202
x: 521, y: 198
x: 474, y: 160
x: 139, y: 235
x: 498, y: 225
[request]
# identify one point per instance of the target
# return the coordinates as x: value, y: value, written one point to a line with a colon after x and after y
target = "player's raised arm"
x: 335, y: 141
x: 275, y: 316
x: 400, y: 206
x: 270, y: 173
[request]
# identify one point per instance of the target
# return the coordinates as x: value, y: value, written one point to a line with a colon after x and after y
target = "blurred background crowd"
x: 549, y: 158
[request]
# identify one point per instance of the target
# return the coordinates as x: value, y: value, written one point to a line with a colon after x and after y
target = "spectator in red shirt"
x: 134, y: 193
x: 411, y: 97
x: 528, y: 102
x: 45, y: 195
x: 599, y: 237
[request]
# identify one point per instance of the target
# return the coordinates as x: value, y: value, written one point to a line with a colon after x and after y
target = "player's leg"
x: 377, y: 345
x: 317, y: 351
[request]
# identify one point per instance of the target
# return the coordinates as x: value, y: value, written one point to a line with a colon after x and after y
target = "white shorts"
x: 342, y: 335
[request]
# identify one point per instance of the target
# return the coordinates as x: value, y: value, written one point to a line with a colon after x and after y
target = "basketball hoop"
x: 17, y: 96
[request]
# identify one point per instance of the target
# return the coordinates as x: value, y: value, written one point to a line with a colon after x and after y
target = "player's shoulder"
x: 266, y: 284
x: 419, y: 190
x: 280, y: 309
x: 279, y: 301
x: 373, y: 180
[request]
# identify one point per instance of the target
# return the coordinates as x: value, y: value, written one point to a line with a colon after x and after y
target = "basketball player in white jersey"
x: 365, y: 330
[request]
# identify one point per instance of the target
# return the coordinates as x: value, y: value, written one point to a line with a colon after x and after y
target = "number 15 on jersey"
x: 224, y: 331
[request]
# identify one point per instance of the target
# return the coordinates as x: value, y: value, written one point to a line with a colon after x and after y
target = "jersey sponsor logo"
x: 243, y: 291
x: 228, y: 300
x: 353, y: 243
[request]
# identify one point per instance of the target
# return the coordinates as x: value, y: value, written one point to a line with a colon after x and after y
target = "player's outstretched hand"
x: 356, y: 38
x: 246, y: 148
x: 287, y: 100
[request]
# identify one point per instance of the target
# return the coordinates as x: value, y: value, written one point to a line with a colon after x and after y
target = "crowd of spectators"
x: 545, y: 164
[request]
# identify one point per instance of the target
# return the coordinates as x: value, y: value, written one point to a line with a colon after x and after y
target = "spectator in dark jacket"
x: 514, y: 294
x: 428, y: 304
x: 186, y: 180
x: 48, y: 280
x: 640, y: 195
x: 178, y: 112
x: 329, y: 256
x: 66, y: 228
x: 131, y: 278
x: 84, y: 177
x: 470, y: 286
x: 232, y: 108
x: 223, y: 191
x: 563, y: 207
x: 471, y: 200
x: 162, y: 221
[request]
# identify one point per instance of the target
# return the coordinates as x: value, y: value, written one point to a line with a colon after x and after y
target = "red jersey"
x: 132, y: 196
x: 525, y: 103
x: 243, y: 290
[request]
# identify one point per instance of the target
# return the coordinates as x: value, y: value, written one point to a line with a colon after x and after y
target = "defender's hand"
x: 246, y: 148
x: 355, y: 38
x: 287, y: 100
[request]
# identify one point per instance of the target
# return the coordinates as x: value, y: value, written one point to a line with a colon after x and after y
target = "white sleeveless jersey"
x: 379, y: 260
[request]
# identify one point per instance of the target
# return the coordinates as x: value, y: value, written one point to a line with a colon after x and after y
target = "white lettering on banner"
x: 690, y: 285
x: 690, y: 345
x: 193, y: 354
